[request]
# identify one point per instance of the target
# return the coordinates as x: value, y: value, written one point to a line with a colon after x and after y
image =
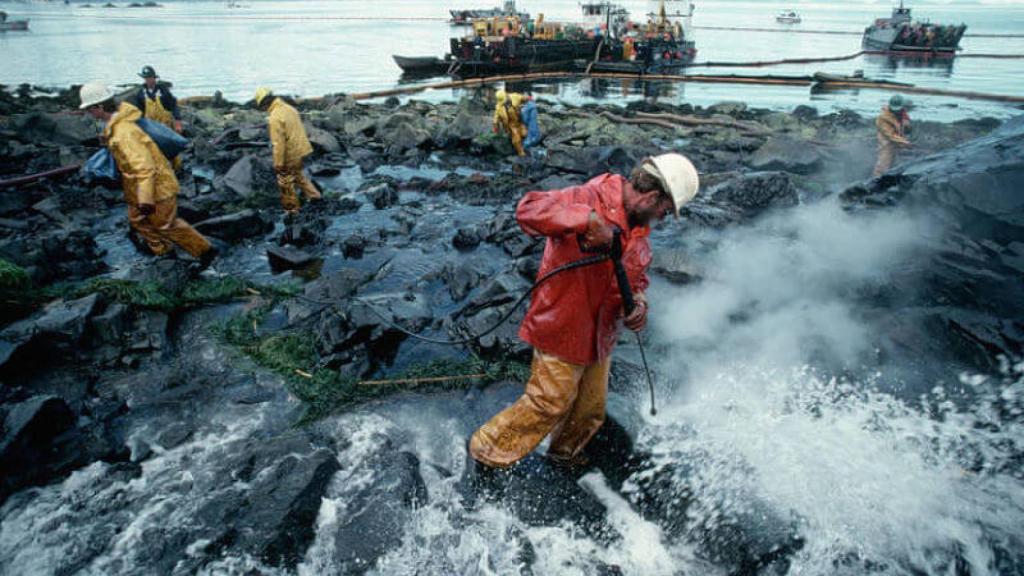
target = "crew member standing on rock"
x: 892, y: 126
x: 291, y: 145
x: 508, y: 120
x: 156, y: 101
x: 573, y: 319
x: 150, y: 188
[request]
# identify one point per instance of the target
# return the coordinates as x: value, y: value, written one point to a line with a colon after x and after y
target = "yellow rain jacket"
x: 507, y: 116
x: 147, y: 177
x: 890, y: 128
x: 891, y: 138
x: 508, y: 119
x: 287, y: 135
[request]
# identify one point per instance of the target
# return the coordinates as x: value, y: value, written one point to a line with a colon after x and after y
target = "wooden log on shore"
x: 695, y: 121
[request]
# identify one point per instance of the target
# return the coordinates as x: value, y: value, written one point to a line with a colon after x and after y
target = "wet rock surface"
x: 135, y: 439
x: 971, y: 309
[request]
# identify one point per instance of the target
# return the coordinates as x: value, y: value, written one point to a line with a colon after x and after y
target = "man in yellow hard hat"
x: 150, y: 188
x: 892, y: 124
x: 574, y: 318
x: 291, y: 145
x: 507, y: 118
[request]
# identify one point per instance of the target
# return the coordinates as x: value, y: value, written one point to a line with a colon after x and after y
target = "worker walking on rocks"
x: 573, y: 319
x: 892, y: 124
x: 291, y: 145
x: 507, y: 118
x: 150, y: 188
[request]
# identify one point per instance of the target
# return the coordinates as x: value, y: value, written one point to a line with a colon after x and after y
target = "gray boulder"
x: 277, y: 520
x: 783, y: 153
x: 55, y: 128
x: 466, y: 238
x: 59, y: 327
x: 378, y: 510
x: 232, y: 227
x: 321, y: 139
x: 288, y: 258
x: 753, y: 193
x: 402, y: 131
x: 248, y: 177
x: 741, y: 198
x: 469, y: 123
x: 34, y: 445
x: 383, y: 195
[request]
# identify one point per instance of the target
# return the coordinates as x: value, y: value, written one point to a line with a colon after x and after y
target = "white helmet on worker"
x: 677, y: 175
x: 93, y: 93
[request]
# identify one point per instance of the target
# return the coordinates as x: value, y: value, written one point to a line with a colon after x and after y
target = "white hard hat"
x: 93, y: 93
x: 678, y: 177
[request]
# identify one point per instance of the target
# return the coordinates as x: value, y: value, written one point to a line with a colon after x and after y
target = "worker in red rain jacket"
x: 573, y: 319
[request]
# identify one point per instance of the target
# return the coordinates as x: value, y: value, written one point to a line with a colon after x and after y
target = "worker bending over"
x: 291, y: 145
x: 573, y: 319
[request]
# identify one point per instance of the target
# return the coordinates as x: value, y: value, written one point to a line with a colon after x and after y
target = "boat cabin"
x: 497, y: 28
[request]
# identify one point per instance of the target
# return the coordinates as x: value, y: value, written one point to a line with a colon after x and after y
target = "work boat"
x: 505, y: 44
x: 901, y: 33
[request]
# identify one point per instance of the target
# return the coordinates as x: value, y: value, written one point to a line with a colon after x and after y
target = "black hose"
x: 647, y: 371
x: 563, y: 268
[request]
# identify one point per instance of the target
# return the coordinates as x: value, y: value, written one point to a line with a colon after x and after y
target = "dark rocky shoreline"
x: 118, y: 368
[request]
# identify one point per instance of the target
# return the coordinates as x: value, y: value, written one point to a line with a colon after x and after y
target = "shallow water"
x: 315, y: 47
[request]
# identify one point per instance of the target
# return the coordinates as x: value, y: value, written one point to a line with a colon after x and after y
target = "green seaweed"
x: 13, y: 278
x: 326, y: 391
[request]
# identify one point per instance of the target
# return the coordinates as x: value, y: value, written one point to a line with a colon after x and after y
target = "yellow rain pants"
x: 288, y: 179
x: 163, y: 229
x: 562, y: 399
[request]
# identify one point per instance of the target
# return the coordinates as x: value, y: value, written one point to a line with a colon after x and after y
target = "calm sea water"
x: 312, y: 47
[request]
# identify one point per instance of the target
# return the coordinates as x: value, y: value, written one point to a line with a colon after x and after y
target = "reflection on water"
x: 939, y: 66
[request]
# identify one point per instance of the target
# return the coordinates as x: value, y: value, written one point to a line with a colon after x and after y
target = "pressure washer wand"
x: 629, y: 303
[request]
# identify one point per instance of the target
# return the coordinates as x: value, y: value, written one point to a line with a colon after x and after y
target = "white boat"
x: 788, y: 17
